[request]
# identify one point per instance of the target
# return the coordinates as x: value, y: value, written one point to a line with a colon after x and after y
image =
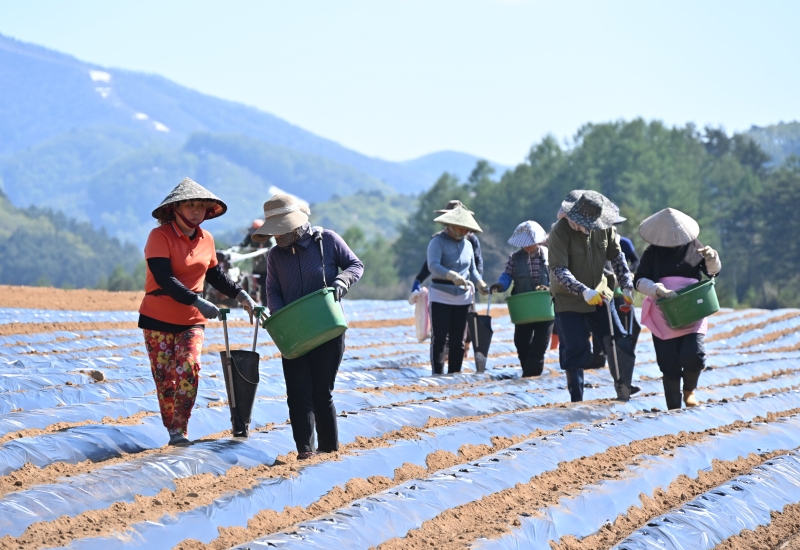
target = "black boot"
x: 672, y: 391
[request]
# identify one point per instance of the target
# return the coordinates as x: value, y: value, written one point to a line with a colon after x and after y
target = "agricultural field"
x: 485, y: 461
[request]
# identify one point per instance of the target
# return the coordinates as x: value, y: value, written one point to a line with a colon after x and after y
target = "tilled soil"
x: 489, y: 517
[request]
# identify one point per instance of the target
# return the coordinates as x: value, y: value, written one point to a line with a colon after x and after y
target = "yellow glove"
x: 483, y: 288
x: 457, y: 279
x: 627, y: 295
x: 592, y: 297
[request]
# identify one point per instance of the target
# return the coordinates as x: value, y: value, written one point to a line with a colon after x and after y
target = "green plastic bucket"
x: 530, y: 307
x: 692, y: 303
x: 306, y: 323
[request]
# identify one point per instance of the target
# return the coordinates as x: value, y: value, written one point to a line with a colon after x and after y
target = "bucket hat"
x: 282, y: 214
x: 461, y: 217
x: 592, y: 211
x: 453, y: 204
x: 190, y: 190
x: 572, y: 198
x: 528, y: 233
x: 669, y: 227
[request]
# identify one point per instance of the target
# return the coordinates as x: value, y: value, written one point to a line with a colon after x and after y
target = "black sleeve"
x: 645, y: 269
x: 424, y: 273
x: 161, y: 268
x: 219, y: 280
x: 476, y: 250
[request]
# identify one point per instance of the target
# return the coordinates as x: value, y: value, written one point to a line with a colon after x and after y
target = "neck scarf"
x: 288, y: 239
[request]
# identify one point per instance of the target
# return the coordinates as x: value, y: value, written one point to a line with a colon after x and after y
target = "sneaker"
x: 635, y: 389
x: 305, y: 455
x: 689, y: 398
x: 178, y: 440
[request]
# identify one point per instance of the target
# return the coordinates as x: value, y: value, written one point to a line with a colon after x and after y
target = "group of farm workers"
x: 582, y: 262
x: 572, y: 262
x: 181, y: 257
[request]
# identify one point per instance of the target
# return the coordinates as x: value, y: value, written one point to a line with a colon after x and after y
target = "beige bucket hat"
x: 455, y: 203
x: 190, y: 190
x: 282, y: 214
x: 669, y: 227
x: 461, y: 217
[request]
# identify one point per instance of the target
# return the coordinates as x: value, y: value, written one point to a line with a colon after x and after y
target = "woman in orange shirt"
x: 180, y: 257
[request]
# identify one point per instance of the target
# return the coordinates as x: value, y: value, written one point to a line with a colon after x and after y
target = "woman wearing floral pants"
x: 180, y: 258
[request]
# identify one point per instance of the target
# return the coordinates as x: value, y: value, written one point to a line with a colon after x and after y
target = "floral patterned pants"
x: 175, y: 364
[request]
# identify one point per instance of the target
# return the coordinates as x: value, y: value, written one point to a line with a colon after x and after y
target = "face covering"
x: 577, y: 227
x: 453, y: 234
x: 288, y: 239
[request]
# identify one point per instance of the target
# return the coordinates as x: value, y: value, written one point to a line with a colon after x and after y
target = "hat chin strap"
x: 189, y: 223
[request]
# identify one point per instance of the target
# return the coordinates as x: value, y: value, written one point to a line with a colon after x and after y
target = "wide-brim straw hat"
x: 455, y: 203
x: 593, y: 211
x: 528, y: 233
x: 461, y: 217
x: 190, y: 190
x: 669, y: 227
x: 282, y: 214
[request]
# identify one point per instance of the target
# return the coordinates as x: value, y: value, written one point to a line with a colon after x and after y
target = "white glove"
x: 207, y: 309
x: 592, y: 297
x: 457, y: 279
x: 247, y: 303
x: 339, y: 288
x: 483, y: 288
x: 654, y: 290
x: 713, y: 264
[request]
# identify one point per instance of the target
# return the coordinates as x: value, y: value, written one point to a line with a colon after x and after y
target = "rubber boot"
x: 672, y: 391
x: 689, y: 385
x: 575, y: 384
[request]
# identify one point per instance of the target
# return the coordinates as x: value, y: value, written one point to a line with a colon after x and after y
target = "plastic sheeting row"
x: 392, y: 513
x: 598, y: 505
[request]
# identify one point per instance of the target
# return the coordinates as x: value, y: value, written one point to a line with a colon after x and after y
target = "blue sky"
x: 399, y: 79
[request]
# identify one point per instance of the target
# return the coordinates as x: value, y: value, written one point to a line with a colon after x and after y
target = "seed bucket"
x: 306, y: 323
x: 692, y: 303
x: 530, y: 307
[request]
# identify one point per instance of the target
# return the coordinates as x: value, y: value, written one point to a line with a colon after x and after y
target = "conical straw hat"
x: 461, y: 217
x: 669, y: 227
x: 190, y: 190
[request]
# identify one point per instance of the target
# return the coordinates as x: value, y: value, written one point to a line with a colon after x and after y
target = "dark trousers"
x: 677, y: 355
x: 448, y: 324
x: 309, y: 383
x: 532, y: 340
x: 574, y: 348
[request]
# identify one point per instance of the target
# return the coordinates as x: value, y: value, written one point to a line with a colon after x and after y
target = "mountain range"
x: 106, y: 145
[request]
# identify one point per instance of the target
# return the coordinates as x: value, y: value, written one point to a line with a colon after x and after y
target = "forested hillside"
x: 42, y: 247
x: 745, y: 209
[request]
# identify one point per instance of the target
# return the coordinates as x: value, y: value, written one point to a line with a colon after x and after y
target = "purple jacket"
x: 296, y: 271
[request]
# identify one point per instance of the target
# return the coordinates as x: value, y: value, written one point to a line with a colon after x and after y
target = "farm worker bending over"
x: 452, y: 264
x: 527, y: 268
x: 180, y: 257
x: 579, y: 245
x: 294, y: 270
x: 675, y: 259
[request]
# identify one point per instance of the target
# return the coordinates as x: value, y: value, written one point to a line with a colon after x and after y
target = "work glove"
x: 664, y: 292
x: 247, y: 303
x: 457, y: 279
x: 497, y: 287
x: 416, y: 286
x: 592, y: 297
x: 207, y: 309
x: 339, y: 289
x: 712, y: 259
x: 483, y: 288
x: 627, y: 295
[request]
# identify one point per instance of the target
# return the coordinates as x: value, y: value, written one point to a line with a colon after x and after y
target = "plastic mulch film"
x: 600, y: 504
x: 743, y: 503
x: 392, y: 513
x: 14, y: 315
x: 313, y: 482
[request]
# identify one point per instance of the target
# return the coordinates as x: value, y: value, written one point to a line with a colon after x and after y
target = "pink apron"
x: 653, y: 318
